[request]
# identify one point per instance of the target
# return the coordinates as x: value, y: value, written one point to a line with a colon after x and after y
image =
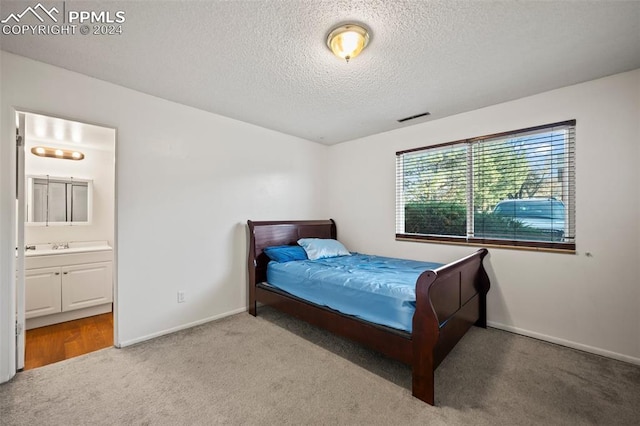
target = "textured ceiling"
x: 266, y: 62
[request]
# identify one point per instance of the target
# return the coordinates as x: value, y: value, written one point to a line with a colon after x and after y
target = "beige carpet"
x: 275, y: 370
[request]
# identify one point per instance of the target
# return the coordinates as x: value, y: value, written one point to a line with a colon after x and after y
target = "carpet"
x: 276, y: 370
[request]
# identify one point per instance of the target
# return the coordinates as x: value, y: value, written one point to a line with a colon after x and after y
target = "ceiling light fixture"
x: 42, y: 151
x: 347, y: 41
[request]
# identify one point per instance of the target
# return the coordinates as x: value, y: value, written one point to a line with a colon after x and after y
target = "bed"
x: 448, y: 300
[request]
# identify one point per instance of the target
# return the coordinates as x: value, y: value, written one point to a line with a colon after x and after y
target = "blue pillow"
x: 318, y: 248
x: 283, y: 254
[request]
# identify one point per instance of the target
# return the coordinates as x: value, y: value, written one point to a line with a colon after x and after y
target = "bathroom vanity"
x: 64, y: 282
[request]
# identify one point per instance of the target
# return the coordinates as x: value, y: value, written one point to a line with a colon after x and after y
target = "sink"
x: 73, y: 247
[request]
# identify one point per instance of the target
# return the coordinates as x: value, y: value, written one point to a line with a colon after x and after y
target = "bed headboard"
x: 266, y: 234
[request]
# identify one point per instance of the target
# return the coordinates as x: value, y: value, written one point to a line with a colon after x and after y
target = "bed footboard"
x: 449, y: 301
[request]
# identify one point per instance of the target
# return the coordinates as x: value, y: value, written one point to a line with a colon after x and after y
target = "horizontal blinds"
x: 515, y: 186
x: 433, y: 186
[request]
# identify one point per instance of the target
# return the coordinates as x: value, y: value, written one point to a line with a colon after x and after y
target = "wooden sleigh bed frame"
x: 449, y: 300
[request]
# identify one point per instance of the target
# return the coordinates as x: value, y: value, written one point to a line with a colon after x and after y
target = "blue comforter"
x: 376, y: 289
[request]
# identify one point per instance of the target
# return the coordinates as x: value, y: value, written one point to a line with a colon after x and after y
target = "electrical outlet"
x: 181, y: 297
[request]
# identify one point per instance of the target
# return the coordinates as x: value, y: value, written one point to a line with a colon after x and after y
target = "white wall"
x: 590, y: 303
x: 98, y: 165
x: 187, y: 181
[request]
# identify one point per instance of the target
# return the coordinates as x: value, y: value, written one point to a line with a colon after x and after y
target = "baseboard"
x: 178, y: 328
x: 46, y: 320
x: 567, y: 343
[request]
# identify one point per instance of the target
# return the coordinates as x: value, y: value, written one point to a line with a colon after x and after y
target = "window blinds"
x: 515, y: 188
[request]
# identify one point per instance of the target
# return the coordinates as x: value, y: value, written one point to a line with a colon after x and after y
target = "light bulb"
x: 347, y: 41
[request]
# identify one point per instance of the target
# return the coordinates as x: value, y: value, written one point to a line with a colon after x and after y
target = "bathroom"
x: 67, y: 207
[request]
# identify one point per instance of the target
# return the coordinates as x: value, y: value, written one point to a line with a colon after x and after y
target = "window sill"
x: 564, y: 248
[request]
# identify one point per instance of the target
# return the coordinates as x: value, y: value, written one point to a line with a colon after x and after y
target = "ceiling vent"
x: 413, y: 117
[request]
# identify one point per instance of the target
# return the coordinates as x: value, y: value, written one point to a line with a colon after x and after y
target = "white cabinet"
x: 86, y: 285
x: 43, y: 295
x: 79, y: 285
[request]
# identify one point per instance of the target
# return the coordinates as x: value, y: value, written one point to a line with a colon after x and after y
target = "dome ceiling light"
x: 347, y: 41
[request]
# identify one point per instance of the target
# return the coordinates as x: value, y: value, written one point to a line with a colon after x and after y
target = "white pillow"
x: 319, y: 248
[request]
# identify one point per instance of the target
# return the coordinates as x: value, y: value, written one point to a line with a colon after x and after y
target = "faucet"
x: 31, y: 247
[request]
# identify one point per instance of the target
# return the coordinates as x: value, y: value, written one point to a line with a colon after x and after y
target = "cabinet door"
x: 86, y: 285
x: 42, y: 292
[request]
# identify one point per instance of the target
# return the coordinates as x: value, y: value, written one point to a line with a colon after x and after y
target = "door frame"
x: 10, y: 360
x: 7, y: 249
x: 20, y: 279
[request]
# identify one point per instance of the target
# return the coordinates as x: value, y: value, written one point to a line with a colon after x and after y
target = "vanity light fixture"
x: 347, y: 41
x: 42, y: 151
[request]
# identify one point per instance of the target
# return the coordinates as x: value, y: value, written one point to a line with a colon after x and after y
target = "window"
x: 511, y: 189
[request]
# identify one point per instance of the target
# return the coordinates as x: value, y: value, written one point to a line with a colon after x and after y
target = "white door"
x: 20, y: 217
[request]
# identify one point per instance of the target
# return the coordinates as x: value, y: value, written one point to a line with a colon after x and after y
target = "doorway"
x: 66, y: 227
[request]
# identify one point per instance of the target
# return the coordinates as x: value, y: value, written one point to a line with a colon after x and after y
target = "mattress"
x: 373, y: 288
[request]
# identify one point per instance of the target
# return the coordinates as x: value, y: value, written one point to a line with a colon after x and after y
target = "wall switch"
x: 181, y: 298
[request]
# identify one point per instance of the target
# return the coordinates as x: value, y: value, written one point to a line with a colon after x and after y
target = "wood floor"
x: 53, y: 343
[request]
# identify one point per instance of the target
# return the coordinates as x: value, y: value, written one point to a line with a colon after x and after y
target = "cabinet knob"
x: 57, y: 273
x: 65, y: 273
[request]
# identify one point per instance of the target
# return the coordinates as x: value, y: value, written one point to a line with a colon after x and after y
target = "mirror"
x: 58, y: 201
